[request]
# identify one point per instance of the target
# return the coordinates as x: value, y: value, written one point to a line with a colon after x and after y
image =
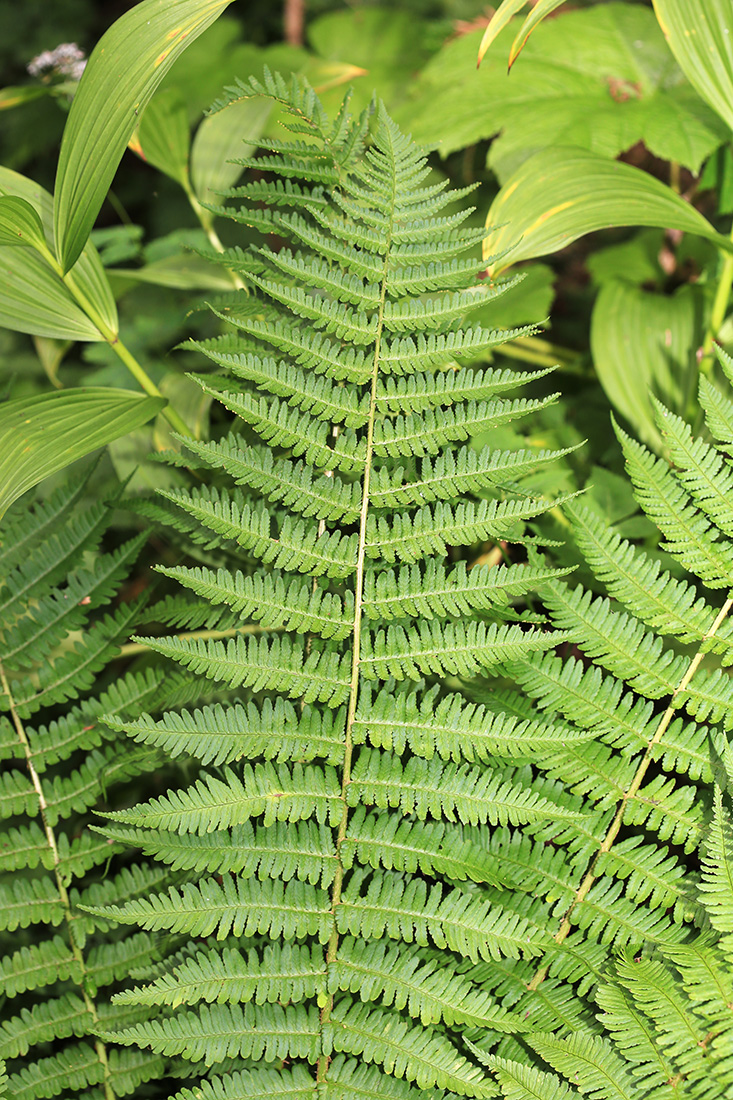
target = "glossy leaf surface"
x: 124, y: 70
x: 33, y: 298
x: 561, y: 194
x: 699, y: 36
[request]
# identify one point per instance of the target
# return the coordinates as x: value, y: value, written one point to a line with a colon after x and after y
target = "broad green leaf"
x: 602, y: 79
x: 389, y: 45
x: 124, y: 70
x: 40, y: 435
x: 561, y: 194
x: 33, y: 297
x: 501, y: 18
x: 162, y: 137
x: 20, y: 223
x: 699, y: 36
x: 643, y: 344
x: 221, y: 137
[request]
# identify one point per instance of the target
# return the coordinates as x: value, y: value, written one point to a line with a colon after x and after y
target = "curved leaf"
x: 162, y: 136
x: 33, y: 297
x: 20, y: 223
x: 124, y: 70
x: 40, y: 435
x: 561, y: 194
x: 699, y: 37
x: 504, y: 14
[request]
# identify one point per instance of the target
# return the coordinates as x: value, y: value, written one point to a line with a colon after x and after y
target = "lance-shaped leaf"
x: 699, y: 36
x: 33, y: 297
x: 40, y: 435
x: 561, y: 194
x: 124, y: 70
x: 504, y: 13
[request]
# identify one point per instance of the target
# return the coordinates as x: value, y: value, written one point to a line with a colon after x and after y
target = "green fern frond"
x: 218, y: 734
x: 348, y: 831
x: 56, y: 641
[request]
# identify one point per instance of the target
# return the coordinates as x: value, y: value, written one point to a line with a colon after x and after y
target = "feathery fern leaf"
x: 345, y: 829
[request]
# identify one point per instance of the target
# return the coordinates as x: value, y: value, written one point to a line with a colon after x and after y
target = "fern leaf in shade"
x: 336, y: 837
x: 649, y: 871
x: 60, y: 762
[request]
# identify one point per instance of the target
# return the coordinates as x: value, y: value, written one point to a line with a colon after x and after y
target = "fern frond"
x: 240, y: 907
x: 280, y: 793
x: 717, y: 879
x: 407, y: 910
x: 300, y: 848
x: 275, y: 664
x: 282, y: 972
x: 434, y: 592
x: 688, y: 536
x: 218, y: 734
x: 431, y: 530
x: 450, y: 648
x: 293, y: 484
x: 278, y: 604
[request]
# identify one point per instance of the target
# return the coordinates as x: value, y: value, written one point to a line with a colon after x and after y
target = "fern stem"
x: 633, y: 788
x: 99, y: 1046
x: 331, y: 952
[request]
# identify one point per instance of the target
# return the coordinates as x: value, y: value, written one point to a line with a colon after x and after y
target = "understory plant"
x: 419, y: 783
x: 60, y: 634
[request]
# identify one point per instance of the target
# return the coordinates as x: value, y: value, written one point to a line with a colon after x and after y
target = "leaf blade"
x: 561, y: 194
x: 40, y: 435
x: 124, y: 70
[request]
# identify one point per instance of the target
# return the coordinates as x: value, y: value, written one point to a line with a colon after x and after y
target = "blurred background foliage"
x: 598, y: 75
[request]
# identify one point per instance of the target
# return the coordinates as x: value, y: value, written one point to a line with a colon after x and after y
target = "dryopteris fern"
x: 60, y: 761
x: 336, y: 843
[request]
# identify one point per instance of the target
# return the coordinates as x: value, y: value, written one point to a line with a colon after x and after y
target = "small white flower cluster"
x: 66, y: 60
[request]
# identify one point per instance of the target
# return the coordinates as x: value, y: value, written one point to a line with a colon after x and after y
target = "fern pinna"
x: 336, y: 841
x: 647, y: 920
x: 57, y: 962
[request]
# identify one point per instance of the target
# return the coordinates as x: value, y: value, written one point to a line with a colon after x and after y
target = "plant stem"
x: 207, y: 225
x: 332, y: 950
x: 530, y: 349
x: 719, y: 310
x: 99, y: 1046
x: 138, y: 372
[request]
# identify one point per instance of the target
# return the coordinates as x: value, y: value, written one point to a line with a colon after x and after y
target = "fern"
x: 60, y: 762
x: 648, y: 679
x: 340, y: 849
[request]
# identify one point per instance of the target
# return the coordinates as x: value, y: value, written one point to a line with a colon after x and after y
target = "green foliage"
x: 321, y: 842
x: 424, y: 813
x: 58, y: 638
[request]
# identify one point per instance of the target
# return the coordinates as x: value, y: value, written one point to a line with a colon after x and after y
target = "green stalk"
x: 138, y: 372
x: 719, y: 310
x: 207, y: 225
